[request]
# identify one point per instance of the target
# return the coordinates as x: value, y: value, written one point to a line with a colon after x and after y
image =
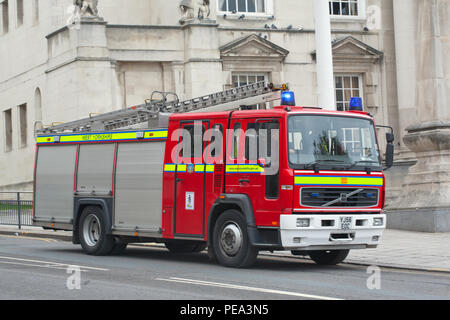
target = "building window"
x: 19, y: 13
x: 350, y: 8
x: 347, y: 86
x: 7, y: 116
x: 243, y: 79
x: 5, y: 16
x: 23, y: 125
x: 245, y: 6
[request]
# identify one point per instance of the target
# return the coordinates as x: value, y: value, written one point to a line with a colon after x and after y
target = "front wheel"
x: 231, y: 244
x: 329, y: 257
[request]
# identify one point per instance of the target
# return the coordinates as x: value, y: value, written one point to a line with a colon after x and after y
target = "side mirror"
x: 390, y: 137
x: 389, y: 147
x: 389, y: 155
x: 389, y: 150
x: 264, y: 163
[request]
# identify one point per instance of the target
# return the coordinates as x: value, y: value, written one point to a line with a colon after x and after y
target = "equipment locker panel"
x: 138, y: 185
x: 54, y: 183
x: 95, y: 168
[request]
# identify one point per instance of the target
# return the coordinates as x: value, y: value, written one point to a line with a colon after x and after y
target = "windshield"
x: 332, y: 141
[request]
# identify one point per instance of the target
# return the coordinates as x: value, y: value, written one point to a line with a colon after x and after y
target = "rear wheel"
x: 231, y: 244
x: 93, y: 234
x: 329, y: 257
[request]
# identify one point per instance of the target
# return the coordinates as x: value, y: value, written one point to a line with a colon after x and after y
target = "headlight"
x: 302, y: 223
x: 377, y: 222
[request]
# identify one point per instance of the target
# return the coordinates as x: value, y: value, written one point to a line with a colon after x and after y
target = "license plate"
x: 346, y: 223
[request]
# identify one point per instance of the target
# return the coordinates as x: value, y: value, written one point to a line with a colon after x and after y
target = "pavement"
x: 398, y: 249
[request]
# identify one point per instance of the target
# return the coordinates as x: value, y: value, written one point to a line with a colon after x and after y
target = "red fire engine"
x: 236, y: 182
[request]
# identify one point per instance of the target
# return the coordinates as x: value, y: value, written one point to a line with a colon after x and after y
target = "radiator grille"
x: 328, y: 197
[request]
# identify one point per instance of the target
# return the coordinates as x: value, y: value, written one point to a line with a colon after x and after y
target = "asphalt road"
x: 32, y: 268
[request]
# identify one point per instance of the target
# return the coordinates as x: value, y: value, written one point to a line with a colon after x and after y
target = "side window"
x: 192, y: 141
x: 251, y: 142
x: 269, y: 140
x: 187, y: 141
x: 235, y: 140
x: 215, y: 146
x: 259, y: 137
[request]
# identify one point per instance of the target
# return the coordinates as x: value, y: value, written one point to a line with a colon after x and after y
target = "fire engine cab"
x: 235, y: 182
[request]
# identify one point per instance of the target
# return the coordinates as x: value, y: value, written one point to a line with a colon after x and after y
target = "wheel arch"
x: 82, y: 203
x: 239, y: 202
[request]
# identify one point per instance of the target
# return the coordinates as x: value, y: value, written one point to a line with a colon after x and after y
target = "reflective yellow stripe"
x: 199, y: 168
x: 344, y: 180
x: 44, y: 140
x: 244, y: 168
x: 102, y: 137
x: 169, y: 167
x: 155, y: 135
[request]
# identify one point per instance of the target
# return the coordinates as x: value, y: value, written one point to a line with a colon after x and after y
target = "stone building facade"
x: 60, y: 62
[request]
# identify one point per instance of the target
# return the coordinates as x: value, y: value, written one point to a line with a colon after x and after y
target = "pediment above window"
x: 253, y: 47
x: 349, y: 49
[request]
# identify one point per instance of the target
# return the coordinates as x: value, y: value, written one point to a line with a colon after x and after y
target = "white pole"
x: 324, y: 56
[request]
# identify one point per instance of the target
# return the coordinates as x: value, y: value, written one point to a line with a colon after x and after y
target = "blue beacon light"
x: 287, y: 98
x: 356, y: 104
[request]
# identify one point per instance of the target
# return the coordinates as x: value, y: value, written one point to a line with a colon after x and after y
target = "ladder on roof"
x: 255, y: 93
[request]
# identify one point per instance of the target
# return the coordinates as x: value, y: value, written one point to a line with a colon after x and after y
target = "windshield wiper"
x: 354, y: 164
x: 314, y: 164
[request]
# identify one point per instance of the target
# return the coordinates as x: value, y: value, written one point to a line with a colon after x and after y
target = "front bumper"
x: 327, y: 232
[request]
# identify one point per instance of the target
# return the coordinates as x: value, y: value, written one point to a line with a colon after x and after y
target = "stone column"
x: 325, y: 77
x: 80, y: 72
x: 202, y: 66
x: 424, y: 204
x: 405, y: 29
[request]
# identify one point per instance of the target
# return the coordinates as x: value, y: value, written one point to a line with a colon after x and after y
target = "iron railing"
x: 16, y: 208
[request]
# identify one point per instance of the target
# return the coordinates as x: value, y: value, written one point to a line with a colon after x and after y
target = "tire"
x: 93, y: 234
x: 231, y: 244
x: 185, y: 246
x: 328, y: 257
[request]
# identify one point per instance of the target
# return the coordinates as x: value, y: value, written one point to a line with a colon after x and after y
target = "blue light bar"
x: 355, y: 104
x: 287, y: 98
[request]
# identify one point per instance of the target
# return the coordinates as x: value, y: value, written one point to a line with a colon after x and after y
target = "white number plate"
x: 346, y: 223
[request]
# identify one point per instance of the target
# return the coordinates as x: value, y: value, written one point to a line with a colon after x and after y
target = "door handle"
x: 179, y: 180
x: 242, y: 181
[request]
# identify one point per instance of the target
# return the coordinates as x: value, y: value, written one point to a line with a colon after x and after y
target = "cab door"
x: 190, y: 180
x: 250, y: 140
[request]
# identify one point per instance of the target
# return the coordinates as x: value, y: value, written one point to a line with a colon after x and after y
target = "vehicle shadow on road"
x: 160, y: 254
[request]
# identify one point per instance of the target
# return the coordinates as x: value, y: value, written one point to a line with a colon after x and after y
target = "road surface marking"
x: 36, y: 265
x: 245, y: 288
x: 48, y: 264
x: 28, y: 238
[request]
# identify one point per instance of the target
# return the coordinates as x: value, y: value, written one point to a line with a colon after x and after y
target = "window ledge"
x: 247, y: 16
x: 348, y: 18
